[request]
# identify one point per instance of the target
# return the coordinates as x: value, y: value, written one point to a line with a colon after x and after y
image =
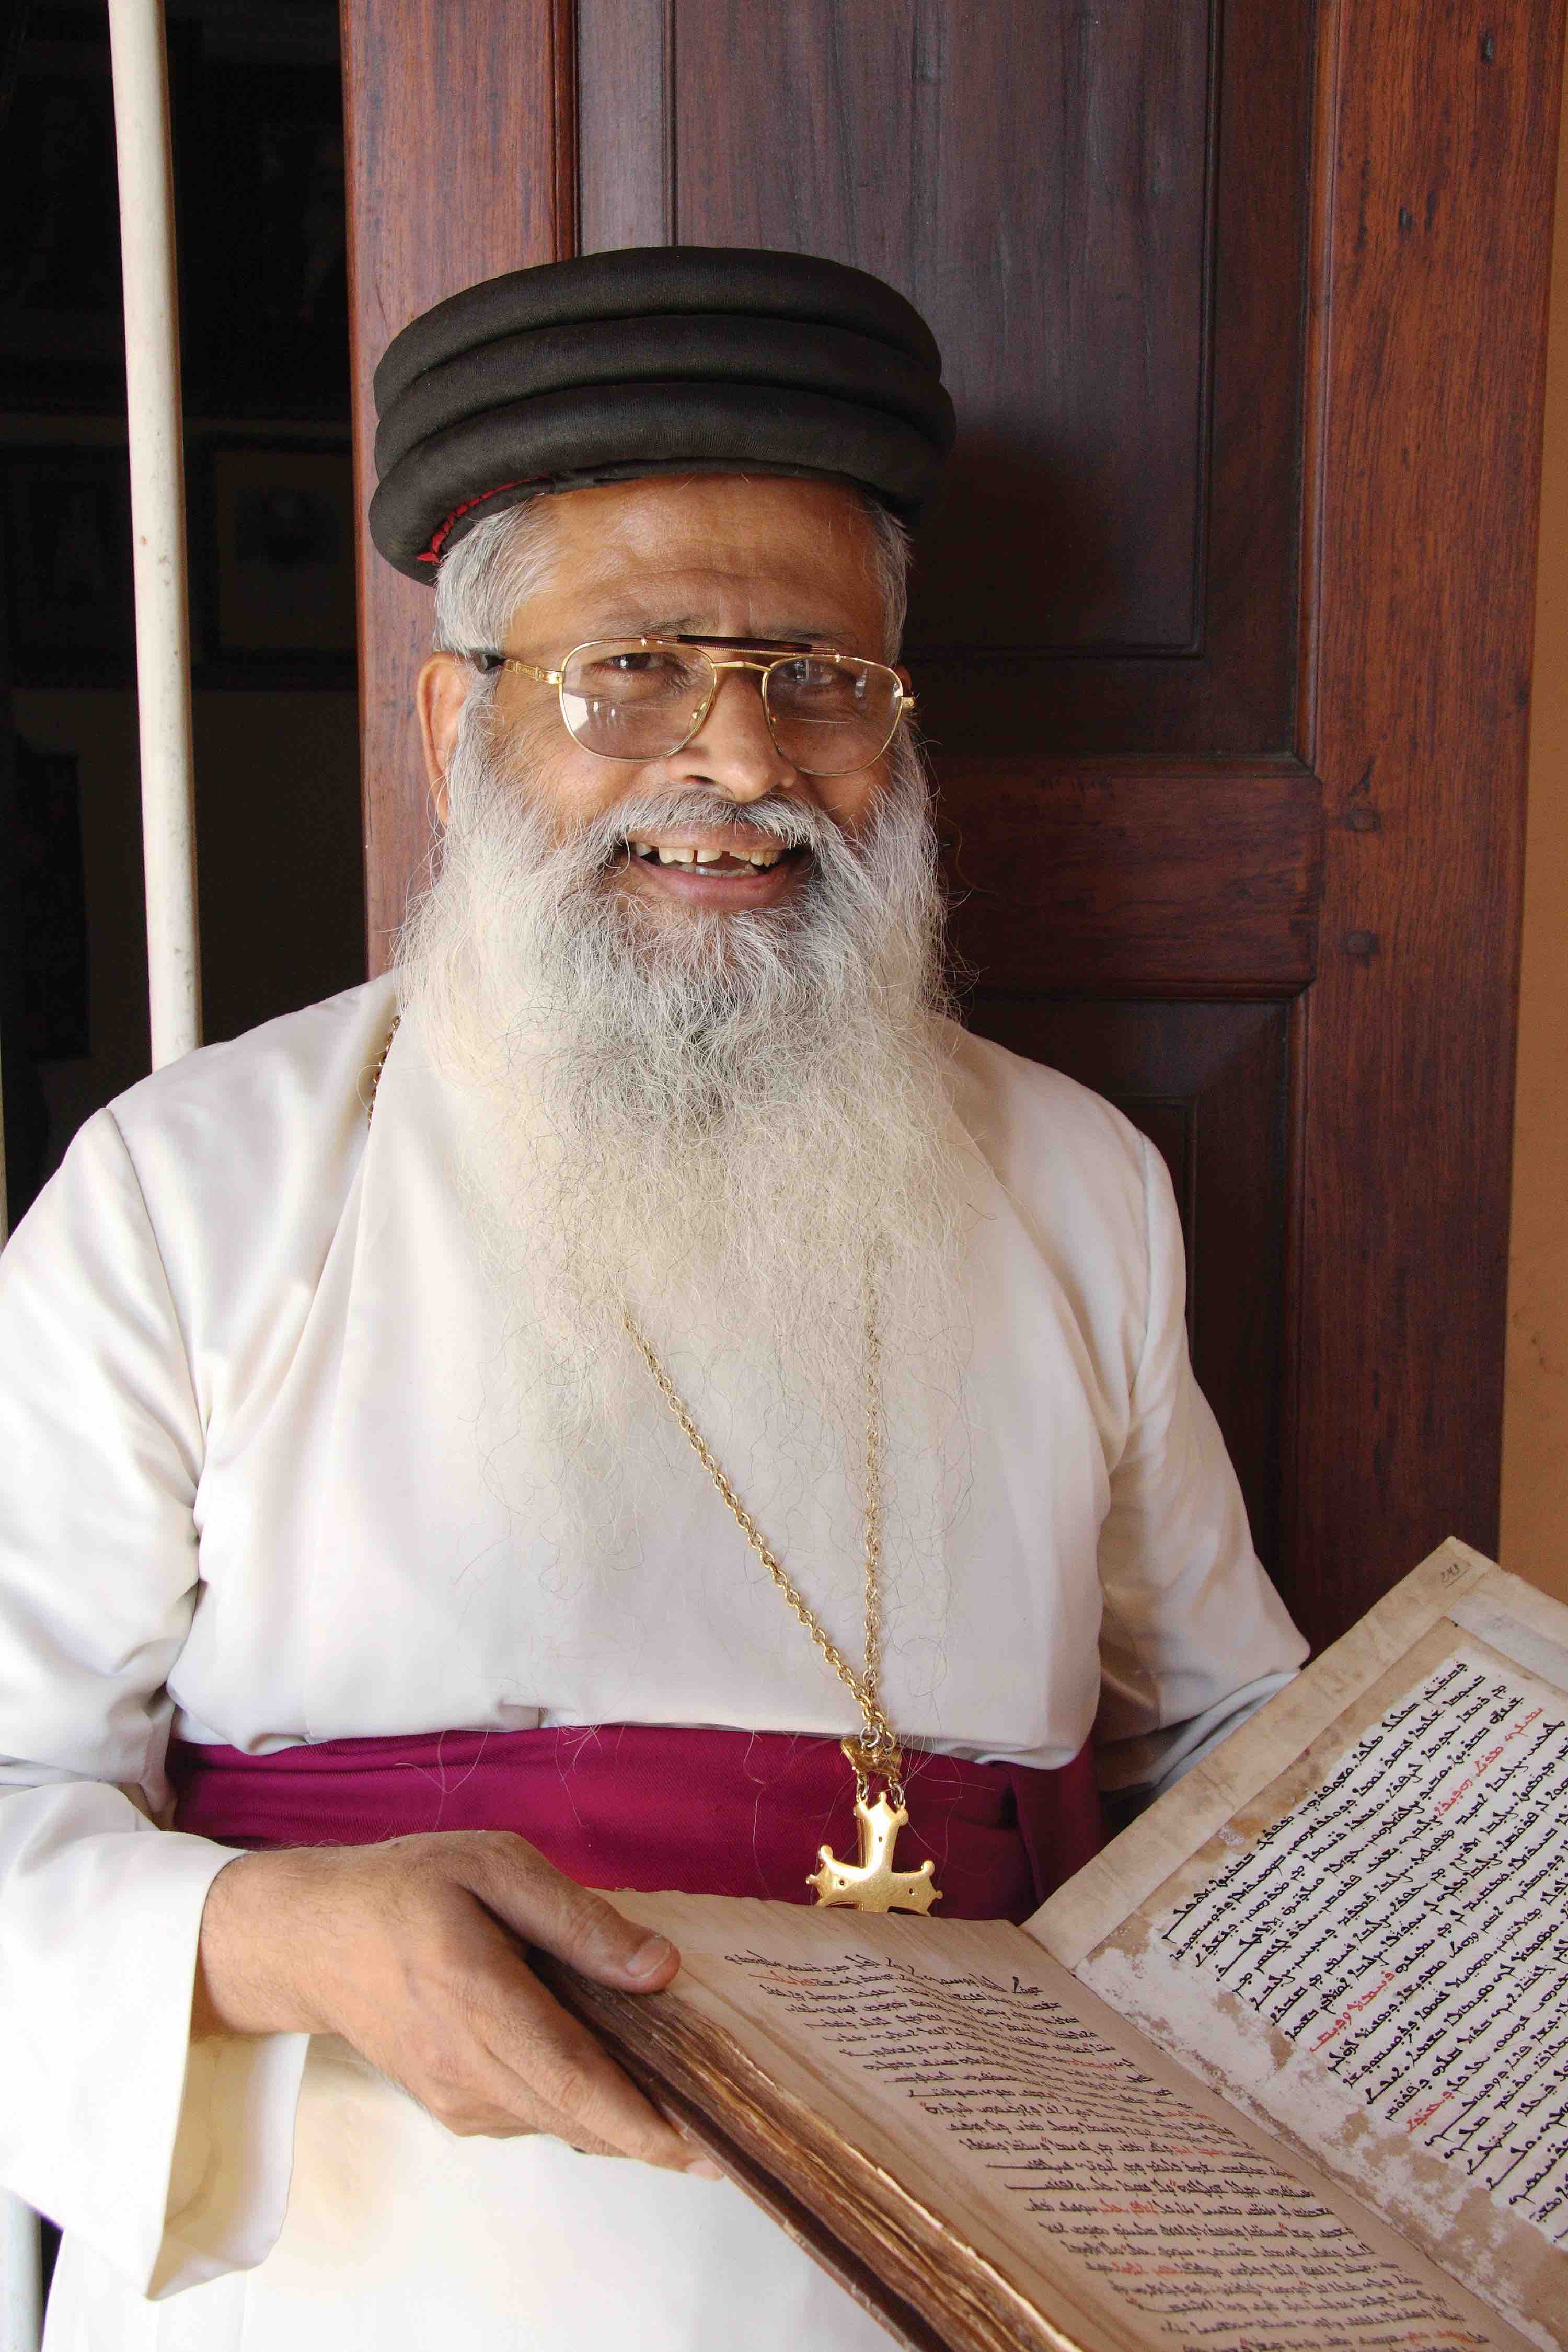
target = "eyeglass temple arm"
x: 487, y: 662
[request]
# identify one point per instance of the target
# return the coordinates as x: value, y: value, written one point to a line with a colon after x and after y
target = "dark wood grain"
x: 1195, y: 879
x: 1442, y: 145
x: 624, y: 150
x: 1103, y: 213
x: 1206, y: 1083
x: 458, y: 166
x: 1041, y: 169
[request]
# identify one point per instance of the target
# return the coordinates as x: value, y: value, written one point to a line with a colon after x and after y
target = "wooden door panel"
x: 1181, y: 879
x: 1208, y: 1086
x: 1102, y: 214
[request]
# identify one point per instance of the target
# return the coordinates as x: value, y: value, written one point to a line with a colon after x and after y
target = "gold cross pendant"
x: 873, y: 1884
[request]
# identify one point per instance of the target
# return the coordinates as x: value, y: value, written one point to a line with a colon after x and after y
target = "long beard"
x: 737, y: 1127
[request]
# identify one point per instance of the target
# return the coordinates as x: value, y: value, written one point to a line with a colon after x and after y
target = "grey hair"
x: 491, y: 573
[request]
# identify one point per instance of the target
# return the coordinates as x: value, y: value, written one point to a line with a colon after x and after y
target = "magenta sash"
x: 656, y: 1808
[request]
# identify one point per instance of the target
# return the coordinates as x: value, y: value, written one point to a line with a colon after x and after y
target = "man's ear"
x: 438, y: 697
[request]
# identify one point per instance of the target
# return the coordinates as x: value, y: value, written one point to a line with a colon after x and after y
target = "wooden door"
x: 1221, y: 628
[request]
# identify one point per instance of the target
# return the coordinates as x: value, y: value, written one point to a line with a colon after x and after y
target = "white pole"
x: 162, y: 689
x: 157, y: 521
x: 21, y: 2283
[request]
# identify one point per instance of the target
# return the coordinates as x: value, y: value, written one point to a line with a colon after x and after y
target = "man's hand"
x: 414, y: 1951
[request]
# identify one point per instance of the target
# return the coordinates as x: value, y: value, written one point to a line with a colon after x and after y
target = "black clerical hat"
x: 657, y: 359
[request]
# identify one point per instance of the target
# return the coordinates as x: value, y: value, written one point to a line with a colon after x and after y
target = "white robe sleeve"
x: 1194, y: 1638
x: 172, y: 2163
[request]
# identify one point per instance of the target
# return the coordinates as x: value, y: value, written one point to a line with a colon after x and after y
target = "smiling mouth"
x: 717, y: 863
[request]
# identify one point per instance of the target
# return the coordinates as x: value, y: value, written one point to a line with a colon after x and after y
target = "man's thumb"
x: 543, y: 1906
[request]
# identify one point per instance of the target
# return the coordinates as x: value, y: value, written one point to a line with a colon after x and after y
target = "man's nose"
x: 732, y: 748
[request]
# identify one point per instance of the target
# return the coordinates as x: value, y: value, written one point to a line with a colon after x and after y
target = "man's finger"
x: 556, y: 2064
x: 542, y: 1907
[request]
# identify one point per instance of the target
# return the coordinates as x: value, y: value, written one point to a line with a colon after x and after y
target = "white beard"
x: 726, y: 1122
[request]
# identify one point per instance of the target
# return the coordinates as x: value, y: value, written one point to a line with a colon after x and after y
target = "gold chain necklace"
x: 873, y: 1884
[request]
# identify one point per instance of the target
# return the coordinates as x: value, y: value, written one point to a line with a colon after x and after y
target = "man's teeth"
x: 758, y: 857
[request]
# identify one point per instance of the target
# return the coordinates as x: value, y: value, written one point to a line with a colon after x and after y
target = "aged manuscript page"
x: 1031, y: 2173
x: 1356, y: 1923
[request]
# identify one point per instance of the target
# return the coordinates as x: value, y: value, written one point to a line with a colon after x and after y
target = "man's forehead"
x: 785, y: 559
x: 740, y: 519
x: 745, y: 608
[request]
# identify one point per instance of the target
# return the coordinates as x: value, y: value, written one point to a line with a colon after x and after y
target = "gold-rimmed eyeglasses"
x: 829, y: 714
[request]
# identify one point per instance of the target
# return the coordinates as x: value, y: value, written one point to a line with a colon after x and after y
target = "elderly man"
x: 490, y: 1437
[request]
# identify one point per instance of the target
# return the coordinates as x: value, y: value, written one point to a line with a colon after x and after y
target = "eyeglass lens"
x: 632, y: 699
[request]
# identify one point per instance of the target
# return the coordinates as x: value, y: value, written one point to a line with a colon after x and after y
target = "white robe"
x: 255, y: 1488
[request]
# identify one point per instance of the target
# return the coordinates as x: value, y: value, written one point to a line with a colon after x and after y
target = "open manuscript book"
x: 1284, y: 2070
